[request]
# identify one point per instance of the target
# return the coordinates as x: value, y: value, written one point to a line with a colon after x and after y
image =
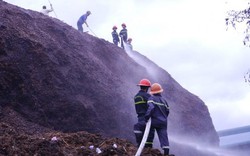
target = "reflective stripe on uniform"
x: 165, y: 147
x: 157, y: 103
x: 140, y: 102
x: 137, y: 131
x: 149, y: 143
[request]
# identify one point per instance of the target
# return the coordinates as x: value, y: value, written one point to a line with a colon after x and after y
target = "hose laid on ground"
x: 144, y: 139
x: 92, y: 31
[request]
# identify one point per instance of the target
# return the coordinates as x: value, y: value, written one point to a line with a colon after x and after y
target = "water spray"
x: 204, y: 148
x: 138, y: 59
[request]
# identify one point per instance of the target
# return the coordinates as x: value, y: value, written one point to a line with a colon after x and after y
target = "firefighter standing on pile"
x: 129, y: 45
x: 46, y: 11
x: 82, y: 20
x: 158, y: 111
x: 115, y: 36
x: 123, y: 34
x: 141, y: 107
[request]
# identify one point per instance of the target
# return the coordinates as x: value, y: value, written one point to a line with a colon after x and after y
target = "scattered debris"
x: 14, y: 142
x: 91, y: 147
x: 54, y: 139
x: 114, y: 145
x: 98, y: 150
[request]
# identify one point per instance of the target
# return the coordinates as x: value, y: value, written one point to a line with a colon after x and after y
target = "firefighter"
x: 46, y: 11
x: 141, y: 107
x: 123, y: 34
x: 129, y: 45
x: 82, y: 20
x: 158, y: 111
x: 115, y: 36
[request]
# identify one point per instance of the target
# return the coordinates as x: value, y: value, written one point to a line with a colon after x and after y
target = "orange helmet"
x: 156, y: 88
x: 144, y: 82
x: 123, y: 25
x: 114, y: 27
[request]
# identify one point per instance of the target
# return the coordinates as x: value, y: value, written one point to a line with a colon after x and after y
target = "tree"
x: 236, y: 17
x: 247, y: 77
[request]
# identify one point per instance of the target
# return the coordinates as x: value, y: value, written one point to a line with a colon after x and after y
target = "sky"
x: 187, y: 38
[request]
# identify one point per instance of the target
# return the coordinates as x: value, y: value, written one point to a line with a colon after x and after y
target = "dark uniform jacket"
x: 158, y: 110
x: 141, y: 105
x: 123, y: 33
x: 115, y: 37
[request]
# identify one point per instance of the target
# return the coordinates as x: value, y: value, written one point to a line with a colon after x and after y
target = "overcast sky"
x: 187, y: 38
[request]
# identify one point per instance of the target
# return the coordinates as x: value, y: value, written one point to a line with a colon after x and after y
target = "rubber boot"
x: 138, y: 138
x: 166, y: 152
x: 148, y: 146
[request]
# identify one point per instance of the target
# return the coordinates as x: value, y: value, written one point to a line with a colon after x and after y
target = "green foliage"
x: 236, y: 17
x: 247, y: 77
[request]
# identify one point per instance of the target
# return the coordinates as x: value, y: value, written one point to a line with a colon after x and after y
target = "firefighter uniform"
x: 115, y: 37
x: 158, y: 111
x: 123, y: 34
x: 141, y: 107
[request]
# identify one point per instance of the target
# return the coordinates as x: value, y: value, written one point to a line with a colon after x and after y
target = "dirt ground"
x: 64, y: 144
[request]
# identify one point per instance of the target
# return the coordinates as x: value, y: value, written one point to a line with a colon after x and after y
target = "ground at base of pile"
x: 68, y: 144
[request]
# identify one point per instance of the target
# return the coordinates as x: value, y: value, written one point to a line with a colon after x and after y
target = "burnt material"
x: 55, y: 77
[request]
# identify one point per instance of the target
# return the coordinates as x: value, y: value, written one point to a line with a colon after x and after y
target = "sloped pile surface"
x: 61, y: 79
x: 55, y: 79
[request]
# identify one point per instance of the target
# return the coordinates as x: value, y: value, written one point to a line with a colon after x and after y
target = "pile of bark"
x: 54, y: 143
